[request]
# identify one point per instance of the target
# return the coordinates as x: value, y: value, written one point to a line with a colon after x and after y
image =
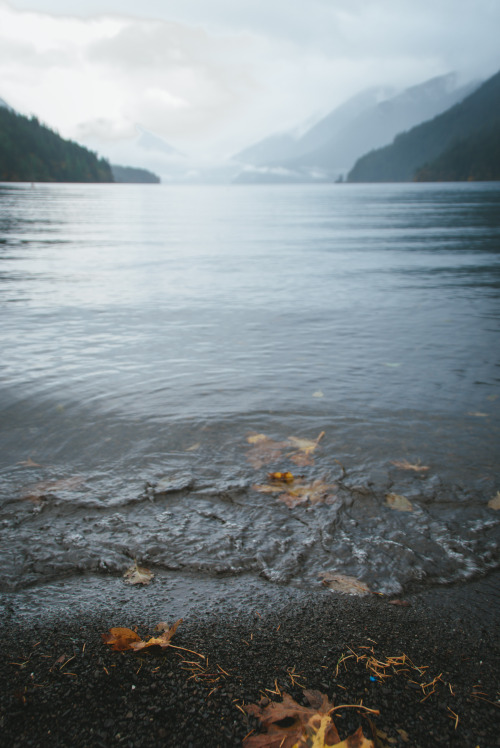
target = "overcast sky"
x: 216, y: 75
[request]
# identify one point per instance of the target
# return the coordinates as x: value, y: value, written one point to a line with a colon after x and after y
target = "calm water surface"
x: 147, y: 332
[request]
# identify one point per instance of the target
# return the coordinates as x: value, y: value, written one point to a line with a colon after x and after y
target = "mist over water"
x: 147, y: 331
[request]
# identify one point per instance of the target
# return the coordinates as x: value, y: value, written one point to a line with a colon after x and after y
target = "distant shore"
x: 61, y: 685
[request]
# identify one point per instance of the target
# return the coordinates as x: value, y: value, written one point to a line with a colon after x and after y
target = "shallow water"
x: 148, y: 331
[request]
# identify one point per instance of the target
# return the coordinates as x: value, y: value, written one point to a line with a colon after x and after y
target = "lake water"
x: 152, y: 336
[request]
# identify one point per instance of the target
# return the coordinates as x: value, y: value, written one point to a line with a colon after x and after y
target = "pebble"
x: 166, y: 708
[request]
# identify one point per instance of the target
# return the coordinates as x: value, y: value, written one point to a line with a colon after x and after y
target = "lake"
x: 165, y: 348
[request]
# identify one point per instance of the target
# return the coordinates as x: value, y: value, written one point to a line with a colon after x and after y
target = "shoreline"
x: 63, y: 685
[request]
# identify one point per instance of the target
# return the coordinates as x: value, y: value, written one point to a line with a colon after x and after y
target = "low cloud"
x: 217, y: 76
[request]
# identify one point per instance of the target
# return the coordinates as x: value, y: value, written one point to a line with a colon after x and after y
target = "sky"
x: 211, y: 77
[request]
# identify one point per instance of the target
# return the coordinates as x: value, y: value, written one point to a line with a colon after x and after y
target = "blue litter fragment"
x: 374, y: 680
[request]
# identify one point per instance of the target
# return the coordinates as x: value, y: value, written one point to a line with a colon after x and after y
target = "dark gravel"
x: 61, y: 686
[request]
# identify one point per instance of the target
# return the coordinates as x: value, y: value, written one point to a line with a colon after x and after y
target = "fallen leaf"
x: 305, y: 727
x: 138, y: 575
x: 281, y: 477
x: 257, y: 438
x: 122, y: 639
x: 318, y: 393
x: 162, y: 626
x: 162, y: 641
x: 193, y: 447
x: 296, y: 492
x: 494, y: 503
x: 304, y: 449
x: 264, y: 450
x: 357, y: 740
x: 29, y: 463
x: 399, y: 503
x: 402, y: 603
x: 41, y: 490
x: 344, y: 584
x: 404, y: 734
x: 405, y: 465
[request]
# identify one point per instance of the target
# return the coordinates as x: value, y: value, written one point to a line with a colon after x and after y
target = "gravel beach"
x: 63, y: 686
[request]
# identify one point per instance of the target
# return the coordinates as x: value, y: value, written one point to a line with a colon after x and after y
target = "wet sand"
x: 62, y: 686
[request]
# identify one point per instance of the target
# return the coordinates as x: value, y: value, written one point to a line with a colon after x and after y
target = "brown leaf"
x: 405, y: 465
x: 29, y: 463
x: 162, y: 626
x: 297, y: 492
x: 494, y: 503
x: 402, y: 603
x: 138, y: 575
x: 40, y: 490
x: 264, y: 450
x: 306, y: 727
x: 271, y: 713
x: 357, y: 740
x: 345, y: 584
x: 162, y: 641
x: 122, y: 639
x: 305, y: 448
x: 302, y: 459
x: 399, y: 503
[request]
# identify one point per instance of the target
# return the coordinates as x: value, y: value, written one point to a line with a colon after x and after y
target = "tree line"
x: 32, y: 152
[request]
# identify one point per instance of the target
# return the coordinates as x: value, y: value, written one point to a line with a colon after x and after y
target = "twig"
x: 354, y: 706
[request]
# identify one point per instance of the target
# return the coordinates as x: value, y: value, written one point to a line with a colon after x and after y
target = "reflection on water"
x: 146, y: 331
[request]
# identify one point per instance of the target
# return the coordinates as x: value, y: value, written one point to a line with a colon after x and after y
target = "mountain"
x: 473, y: 159
x: 141, y: 149
x: 369, y: 120
x: 130, y: 175
x: 445, y: 137
x: 31, y: 152
x: 282, y: 147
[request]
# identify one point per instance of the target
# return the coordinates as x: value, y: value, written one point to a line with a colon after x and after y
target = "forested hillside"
x: 31, y: 152
x: 132, y: 175
x: 475, y: 159
x: 462, y: 141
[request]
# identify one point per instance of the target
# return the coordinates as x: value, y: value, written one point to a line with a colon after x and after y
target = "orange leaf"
x: 162, y: 641
x: 122, y: 639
